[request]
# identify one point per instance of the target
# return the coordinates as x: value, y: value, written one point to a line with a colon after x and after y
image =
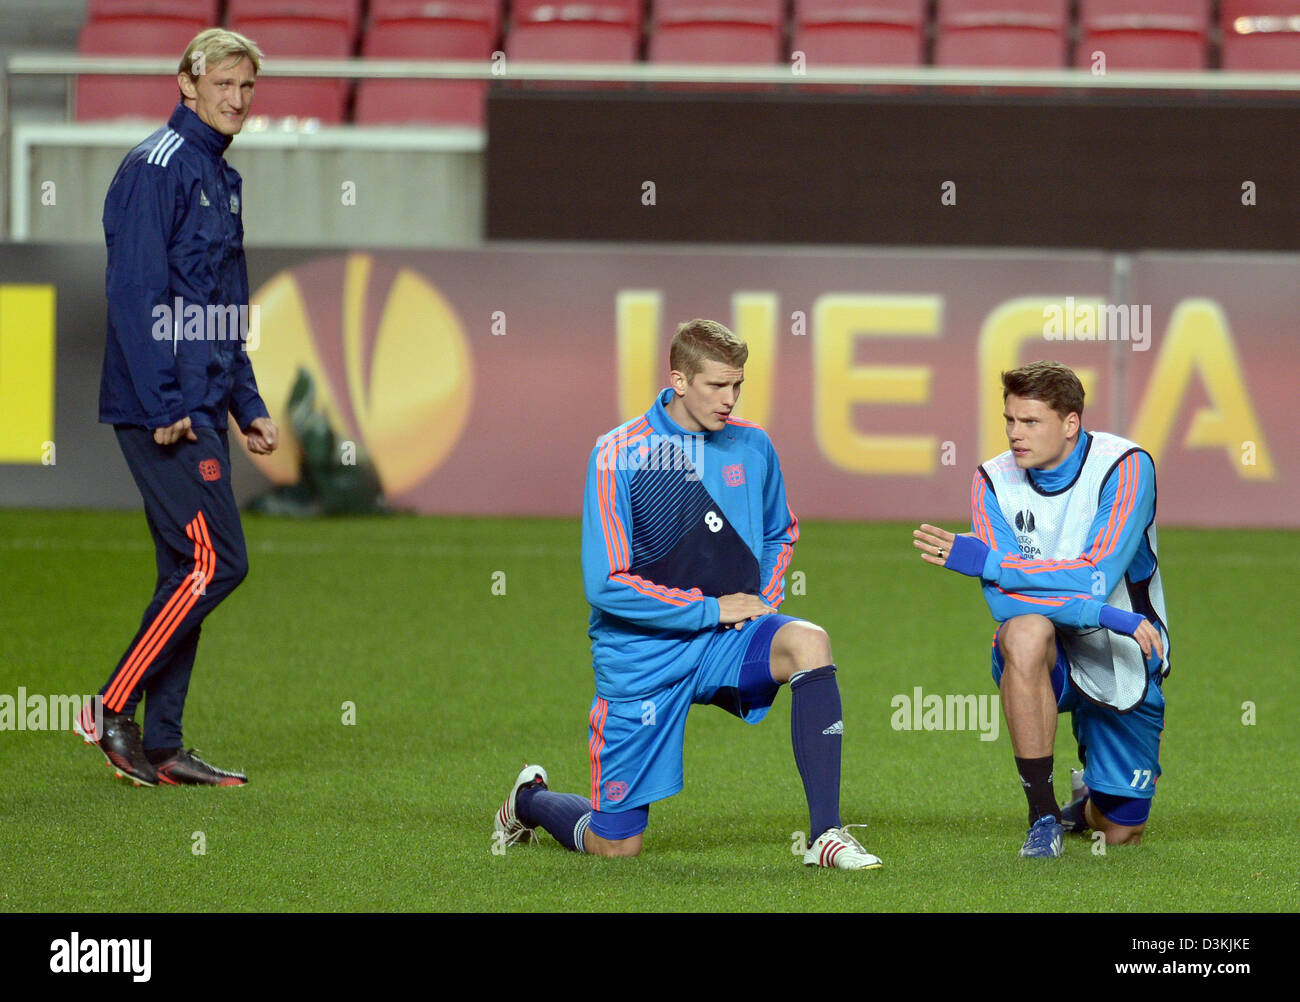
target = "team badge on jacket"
x: 734, y: 475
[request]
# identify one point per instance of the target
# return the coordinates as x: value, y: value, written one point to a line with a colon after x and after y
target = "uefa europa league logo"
x: 388, y: 357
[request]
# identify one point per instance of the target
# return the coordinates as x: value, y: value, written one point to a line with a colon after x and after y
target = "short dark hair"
x: 699, y: 340
x: 1051, y: 382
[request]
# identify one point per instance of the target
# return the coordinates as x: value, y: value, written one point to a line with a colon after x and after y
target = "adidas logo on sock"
x: 835, y: 728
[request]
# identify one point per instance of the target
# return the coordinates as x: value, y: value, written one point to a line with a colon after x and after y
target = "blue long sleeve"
x: 1065, y: 607
x: 781, y: 532
x: 142, y: 206
x: 246, y: 402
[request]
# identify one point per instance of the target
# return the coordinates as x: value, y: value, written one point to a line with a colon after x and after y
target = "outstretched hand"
x: 965, y: 553
x: 934, y: 543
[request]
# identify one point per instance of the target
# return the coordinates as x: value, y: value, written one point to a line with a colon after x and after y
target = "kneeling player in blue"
x: 686, y: 537
x: 1075, y: 586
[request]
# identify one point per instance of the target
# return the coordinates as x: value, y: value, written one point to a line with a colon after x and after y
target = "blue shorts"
x: 1120, y: 751
x: 635, y: 746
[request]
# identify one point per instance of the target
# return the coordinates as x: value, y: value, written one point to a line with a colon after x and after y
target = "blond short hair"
x: 218, y: 47
x: 697, y: 341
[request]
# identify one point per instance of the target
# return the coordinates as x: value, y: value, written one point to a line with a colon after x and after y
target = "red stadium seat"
x: 582, y: 11
x: 300, y: 29
x: 696, y: 11
x: 149, y: 97
x: 691, y: 31
x: 409, y: 29
x: 487, y: 11
x: 1260, y: 35
x: 204, y: 12
x: 604, y: 31
x: 344, y: 12
x: 1002, y: 33
x: 860, y: 32
x: 1144, y: 34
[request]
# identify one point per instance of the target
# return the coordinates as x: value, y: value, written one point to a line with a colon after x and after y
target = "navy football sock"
x: 564, y: 815
x: 816, y: 731
x: 1036, y: 778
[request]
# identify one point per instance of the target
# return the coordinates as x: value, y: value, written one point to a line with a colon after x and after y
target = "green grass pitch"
x: 455, y: 684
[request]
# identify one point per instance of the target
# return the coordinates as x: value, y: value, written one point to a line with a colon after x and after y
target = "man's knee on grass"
x: 611, y: 847
x: 1121, y: 835
x: 1115, y: 833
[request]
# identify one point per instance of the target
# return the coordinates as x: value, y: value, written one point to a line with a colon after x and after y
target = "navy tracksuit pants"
x: 199, y: 543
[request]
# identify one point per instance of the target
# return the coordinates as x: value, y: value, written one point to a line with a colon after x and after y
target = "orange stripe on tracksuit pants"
x: 201, y: 558
x: 163, y: 626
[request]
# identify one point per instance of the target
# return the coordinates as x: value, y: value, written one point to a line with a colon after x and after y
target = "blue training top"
x: 672, y: 520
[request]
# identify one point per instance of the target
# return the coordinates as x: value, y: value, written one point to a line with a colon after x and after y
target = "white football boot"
x: 512, y: 831
x: 1073, y: 816
x: 838, y: 849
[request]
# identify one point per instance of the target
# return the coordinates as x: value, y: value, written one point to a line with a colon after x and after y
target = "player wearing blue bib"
x: 686, y: 537
x: 1064, y: 543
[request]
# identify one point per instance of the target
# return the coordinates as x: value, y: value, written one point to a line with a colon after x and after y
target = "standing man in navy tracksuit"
x: 175, y: 363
